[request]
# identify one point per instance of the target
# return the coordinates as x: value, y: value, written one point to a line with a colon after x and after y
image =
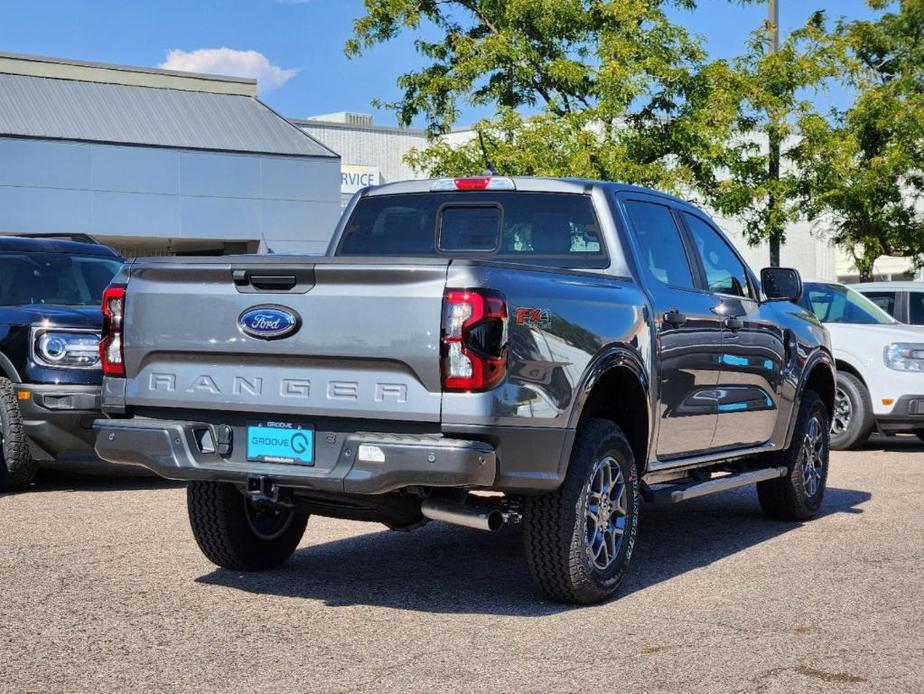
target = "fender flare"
x: 819, y: 356
x: 618, y: 356
x: 8, y: 370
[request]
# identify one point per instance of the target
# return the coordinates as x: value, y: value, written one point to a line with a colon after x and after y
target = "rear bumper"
x: 907, y: 415
x: 58, y: 419
x: 170, y: 449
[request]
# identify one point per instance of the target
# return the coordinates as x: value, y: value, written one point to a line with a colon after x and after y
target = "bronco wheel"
x: 579, y: 538
x: 17, y: 469
x: 798, y: 495
x: 235, y: 534
x: 852, y: 419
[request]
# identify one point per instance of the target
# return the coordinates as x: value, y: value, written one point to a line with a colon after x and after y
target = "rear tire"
x: 234, y: 534
x: 919, y: 433
x: 798, y: 495
x: 17, y: 469
x: 853, y: 413
x: 579, y: 538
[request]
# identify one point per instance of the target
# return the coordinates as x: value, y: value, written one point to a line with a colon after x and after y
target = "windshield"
x: 835, y: 303
x: 54, y: 278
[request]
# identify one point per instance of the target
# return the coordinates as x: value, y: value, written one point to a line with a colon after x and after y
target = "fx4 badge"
x: 533, y: 317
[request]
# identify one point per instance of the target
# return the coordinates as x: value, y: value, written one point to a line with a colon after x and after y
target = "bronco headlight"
x: 904, y: 356
x: 65, y: 349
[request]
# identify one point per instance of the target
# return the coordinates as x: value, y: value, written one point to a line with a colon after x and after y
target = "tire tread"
x: 17, y: 468
x: 217, y: 518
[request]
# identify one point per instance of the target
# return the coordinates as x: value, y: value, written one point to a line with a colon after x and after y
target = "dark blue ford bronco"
x: 50, y: 373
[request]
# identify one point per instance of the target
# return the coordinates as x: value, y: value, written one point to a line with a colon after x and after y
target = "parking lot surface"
x: 102, y: 588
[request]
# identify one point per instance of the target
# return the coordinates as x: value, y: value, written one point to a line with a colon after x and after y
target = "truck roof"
x: 535, y: 184
x: 54, y: 245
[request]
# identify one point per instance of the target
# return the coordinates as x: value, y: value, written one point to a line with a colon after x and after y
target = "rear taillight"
x: 474, y: 339
x: 111, y: 351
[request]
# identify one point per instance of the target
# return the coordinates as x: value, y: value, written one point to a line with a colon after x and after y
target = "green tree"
x: 615, y: 89
x: 770, y: 89
x: 863, y: 169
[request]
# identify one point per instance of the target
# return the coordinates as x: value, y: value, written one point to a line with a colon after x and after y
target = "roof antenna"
x: 490, y: 169
x: 265, y: 244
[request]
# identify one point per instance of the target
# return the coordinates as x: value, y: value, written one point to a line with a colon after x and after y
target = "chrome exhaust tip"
x: 479, y: 515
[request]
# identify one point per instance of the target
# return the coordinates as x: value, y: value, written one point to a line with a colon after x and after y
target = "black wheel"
x: 798, y: 495
x: 235, y: 534
x: 579, y: 538
x: 17, y: 469
x: 919, y: 433
x: 852, y: 420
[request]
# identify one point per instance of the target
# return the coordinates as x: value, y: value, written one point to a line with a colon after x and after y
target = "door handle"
x: 674, y: 318
x: 733, y: 323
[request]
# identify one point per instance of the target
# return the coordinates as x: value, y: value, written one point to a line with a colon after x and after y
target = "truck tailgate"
x: 368, y: 344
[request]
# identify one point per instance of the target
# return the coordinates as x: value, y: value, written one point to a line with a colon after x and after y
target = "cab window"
x: 884, y: 300
x: 725, y: 273
x: 916, y: 308
x: 660, y: 246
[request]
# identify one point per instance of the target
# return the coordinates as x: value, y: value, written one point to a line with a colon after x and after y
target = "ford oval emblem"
x: 269, y: 322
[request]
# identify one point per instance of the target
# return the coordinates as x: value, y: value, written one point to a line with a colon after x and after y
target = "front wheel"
x: 852, y: 419
x: 579, y: 538
x: 235, y: 534
x: 797, y: 496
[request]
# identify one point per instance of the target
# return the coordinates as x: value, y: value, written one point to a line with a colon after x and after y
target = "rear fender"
x: 610, y: 359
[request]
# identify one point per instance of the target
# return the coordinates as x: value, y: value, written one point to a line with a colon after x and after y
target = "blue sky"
x: 299, y: 42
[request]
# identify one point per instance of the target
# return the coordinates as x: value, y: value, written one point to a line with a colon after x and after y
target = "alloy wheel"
x: 607, y: 503
x: 812, y: 457
x: 843, y: 412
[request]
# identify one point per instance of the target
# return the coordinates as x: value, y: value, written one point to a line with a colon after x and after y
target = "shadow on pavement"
x: 95, y: 478
x: 445, y: 569
x: 898, y: 444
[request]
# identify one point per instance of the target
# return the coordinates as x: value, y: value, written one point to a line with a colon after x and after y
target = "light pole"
x: 773, y: 135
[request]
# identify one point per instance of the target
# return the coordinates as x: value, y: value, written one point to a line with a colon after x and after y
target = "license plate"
x: 280, y: 442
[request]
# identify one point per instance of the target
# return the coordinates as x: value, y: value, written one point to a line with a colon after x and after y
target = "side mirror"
x: 781, y: 284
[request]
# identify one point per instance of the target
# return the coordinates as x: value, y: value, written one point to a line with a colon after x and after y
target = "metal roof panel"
x: 137, y: 115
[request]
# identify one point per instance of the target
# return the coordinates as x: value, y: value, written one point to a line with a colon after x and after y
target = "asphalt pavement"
x: 102, y: 588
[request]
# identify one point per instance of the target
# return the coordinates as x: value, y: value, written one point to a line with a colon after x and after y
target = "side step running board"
x: 672, y: 493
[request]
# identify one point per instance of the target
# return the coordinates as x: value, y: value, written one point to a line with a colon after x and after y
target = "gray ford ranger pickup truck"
x: 478, y: 351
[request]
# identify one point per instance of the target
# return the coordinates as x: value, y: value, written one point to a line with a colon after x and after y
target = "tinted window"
x: 916, y: 308
x: 884, y: 300
x: 559, y: 230
x: 835, y: 303
x: 54, y: 278
x: 469, y: 228
x: 725, y: 273
x: 660, y: 247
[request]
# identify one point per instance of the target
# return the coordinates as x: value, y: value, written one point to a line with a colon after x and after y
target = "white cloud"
x: 228, y: 61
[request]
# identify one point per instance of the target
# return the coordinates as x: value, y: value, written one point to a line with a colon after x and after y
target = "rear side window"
x: 884, y: 300
x: 558, y: 230
x: 659, y: 243
x: 916, y: 308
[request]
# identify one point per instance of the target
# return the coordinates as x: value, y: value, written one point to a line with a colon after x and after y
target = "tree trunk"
x: 865, y: 266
